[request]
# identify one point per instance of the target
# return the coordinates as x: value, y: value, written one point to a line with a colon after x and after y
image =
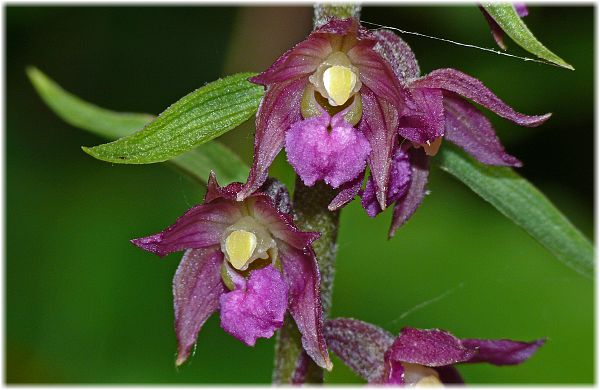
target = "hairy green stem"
x: 292, y: 365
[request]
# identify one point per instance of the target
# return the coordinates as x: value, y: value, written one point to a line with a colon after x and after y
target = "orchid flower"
x: 333, y: 101
x: 247, y: 260
x: 416, y: 356
x: 435, y: 108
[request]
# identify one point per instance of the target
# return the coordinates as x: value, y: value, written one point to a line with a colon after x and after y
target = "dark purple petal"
x: 406, y: 206
x: 376, y: 73
x: 338, y: 27
x: 379, y: 124
x: 360, y: 345
x: 496, y: 30
x: 455, y: 81
x: 255, y: 308
x: 326, y: 149
x: 301, y: 272
x: 279, y: 108
x: 399, y: 55
x: 521, y: 9
x: 393, y: 373
x: 449, y: 375
x: 429, y: 347
x: 468, y: 128
x: 214, y: 191
x: 400, y: 172
x: 280, y: 225
x: 424, y: 116
x: 347, y: 192
x: 197, y: 287
x: 200, y: 227
x: 301, y: 60
x: 502, y: 352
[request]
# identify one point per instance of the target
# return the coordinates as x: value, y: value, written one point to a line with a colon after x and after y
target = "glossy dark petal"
x: 301, y: 272
x: 495, y: 29
x: 399, y: 55
x: 455, y: 81
x: 256, y: 307
x: 468, y: 128
x: 449, y: 375
x: 279, y: 224
x: 279, y: 108
x: 376, y: 73
x: 424, y: 116
x: 406, y: 206
x: 200, y: 227
x: 399, y: 183
x: 214, y: 191
x: 361, y: 346
x: 379, y: 124
x: 347, y: 193
x: 197, y: 287
x: 502, y: 352
x: 301, y: 60
x: 429, y: 347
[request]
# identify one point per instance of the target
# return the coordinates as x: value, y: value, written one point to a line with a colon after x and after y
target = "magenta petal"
x: 348, y: 191
x: 521, y: 9
x: 379, y: 124
x: 455, y: 81
x: 316, y: 153
x: 279, y: 108
x: 200, y: 227
x: 496, y: 30
x: 301, y: 60
x: 376, y: 73
x: 502, y: 352
x: 468, y: 128
x: 399, y: 183
x: 429, y: 347
x: 361, y: 346
x: 214, y: 191
x: 405, y: 207
x: 197, y: 287
x: 279, y: 224
x: 399, y: 55
x: 425, y: 116
x: 256, y: 308
x: 302, y: 274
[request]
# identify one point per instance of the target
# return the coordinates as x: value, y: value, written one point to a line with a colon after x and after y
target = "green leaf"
x: 509, y: 20
x: 524, y: 204
x: 197, y: 163
x: 198, y: 117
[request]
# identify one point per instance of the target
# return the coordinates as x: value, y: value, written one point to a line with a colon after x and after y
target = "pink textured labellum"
x: 255, y: 308
x: 325, y: 148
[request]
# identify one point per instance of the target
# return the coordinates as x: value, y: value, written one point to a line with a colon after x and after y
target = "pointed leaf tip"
x: 507, y: 17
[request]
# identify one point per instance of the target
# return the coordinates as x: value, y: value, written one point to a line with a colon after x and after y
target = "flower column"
x: 292, y: 365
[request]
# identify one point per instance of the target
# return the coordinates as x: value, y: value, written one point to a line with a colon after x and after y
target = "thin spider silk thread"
x: 527, y: 59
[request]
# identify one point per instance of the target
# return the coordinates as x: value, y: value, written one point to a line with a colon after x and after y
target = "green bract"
x: 198, y: 117
x: 507, y: 18
x: 523, y: 204
x: 108, y: 124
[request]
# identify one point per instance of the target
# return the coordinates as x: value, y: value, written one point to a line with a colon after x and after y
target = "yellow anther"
x: 339, y: 82
x: 429, y: 381
x: 240, y: 246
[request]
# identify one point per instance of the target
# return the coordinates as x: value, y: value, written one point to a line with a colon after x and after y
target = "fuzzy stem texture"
x: 292, y: 365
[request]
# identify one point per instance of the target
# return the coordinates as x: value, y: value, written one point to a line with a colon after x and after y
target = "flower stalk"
x: 292, y: 365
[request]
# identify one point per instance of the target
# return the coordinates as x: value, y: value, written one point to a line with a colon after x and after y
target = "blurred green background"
x: 85, y: 306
